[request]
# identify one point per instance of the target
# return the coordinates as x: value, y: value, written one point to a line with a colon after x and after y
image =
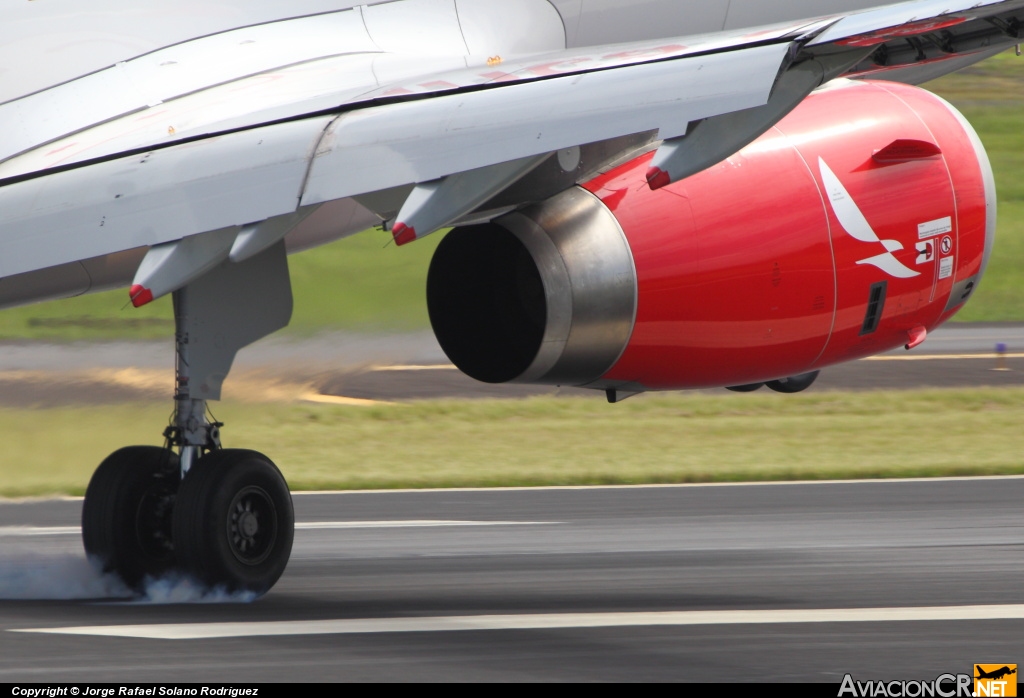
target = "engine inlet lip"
x: 590, y: 285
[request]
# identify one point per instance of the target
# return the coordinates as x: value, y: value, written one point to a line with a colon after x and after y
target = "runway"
x: 774, y: 582
x: 352, y: 368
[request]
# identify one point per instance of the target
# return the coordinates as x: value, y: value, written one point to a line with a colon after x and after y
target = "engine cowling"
x: 860, y: 221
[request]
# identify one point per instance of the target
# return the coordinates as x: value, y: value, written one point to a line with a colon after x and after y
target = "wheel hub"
x: 251, y: 525
x: 248, y: 524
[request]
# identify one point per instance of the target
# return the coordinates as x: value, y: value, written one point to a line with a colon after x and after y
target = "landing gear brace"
x: 222, y: 516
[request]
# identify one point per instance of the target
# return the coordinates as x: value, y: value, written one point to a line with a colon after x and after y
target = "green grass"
x: 668, y: 438
x: 991, y: 96
x: 1000, y: 296
x: 364, y: 283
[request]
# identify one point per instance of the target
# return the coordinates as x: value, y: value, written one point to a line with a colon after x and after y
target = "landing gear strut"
x: 221, y: 516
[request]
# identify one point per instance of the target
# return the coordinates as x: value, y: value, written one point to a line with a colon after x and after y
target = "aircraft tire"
x: 748, y: 388
x: 794, y: 384
x: 127, y: 513
x: 234, y: 522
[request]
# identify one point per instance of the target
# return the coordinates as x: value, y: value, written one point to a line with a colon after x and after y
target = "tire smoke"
x: 176, y: 588
x: 58, y: 572
x: 58, y: 576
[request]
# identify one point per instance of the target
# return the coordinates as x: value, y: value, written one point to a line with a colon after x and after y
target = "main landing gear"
x: 221, y: 516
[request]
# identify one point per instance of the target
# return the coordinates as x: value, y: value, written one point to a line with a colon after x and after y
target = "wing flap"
x: 420, y: 141
x: 235, y: 179
x: 908, y: 19
x: 914, y: 42
x: 155, y: 197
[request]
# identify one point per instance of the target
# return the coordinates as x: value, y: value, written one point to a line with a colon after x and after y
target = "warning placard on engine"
x: 945, y: 267
x: 936, y: 227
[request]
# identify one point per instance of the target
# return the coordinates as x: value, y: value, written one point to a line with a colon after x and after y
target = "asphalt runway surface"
x: 953, y: 356
x: 412, y: 366
x: 784, y: 582
x: 780, y: 582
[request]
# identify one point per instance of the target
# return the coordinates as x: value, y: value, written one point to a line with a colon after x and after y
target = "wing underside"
x: 449, y: 135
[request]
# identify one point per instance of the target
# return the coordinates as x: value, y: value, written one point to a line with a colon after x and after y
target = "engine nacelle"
x: 860, y: 221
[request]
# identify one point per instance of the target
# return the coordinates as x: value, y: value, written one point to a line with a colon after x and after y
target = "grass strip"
x: 991, y: 96
x: 668, y: 438
x: 360, y: 283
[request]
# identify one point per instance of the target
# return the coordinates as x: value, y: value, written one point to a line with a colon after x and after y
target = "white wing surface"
x: 241, y: 126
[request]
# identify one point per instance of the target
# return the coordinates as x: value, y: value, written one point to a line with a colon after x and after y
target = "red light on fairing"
x: 658, y: 178
x: 403, y: 234
x: 916, y: 337
x: 140, y: 295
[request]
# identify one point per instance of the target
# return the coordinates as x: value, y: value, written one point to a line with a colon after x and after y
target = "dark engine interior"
x: 486, y: 302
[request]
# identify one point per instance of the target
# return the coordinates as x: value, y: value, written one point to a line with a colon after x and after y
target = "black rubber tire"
x: 748, y: 388
x: 224, y: 492
x: 794, y: 384
x: 127, y: 513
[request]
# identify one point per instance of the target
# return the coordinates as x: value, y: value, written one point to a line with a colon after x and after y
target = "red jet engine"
x: 860, y: 222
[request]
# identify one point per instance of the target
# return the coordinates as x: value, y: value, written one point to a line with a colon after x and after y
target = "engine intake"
x: 545, y: 295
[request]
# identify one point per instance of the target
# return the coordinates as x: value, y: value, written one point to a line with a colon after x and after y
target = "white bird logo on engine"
x: 857, y: 226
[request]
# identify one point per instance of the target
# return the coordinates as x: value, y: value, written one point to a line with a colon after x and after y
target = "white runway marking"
x: 416, y: 367
x: 546, y: 621
x: 939, y: 357
x: 554, y: 488
x: 26, y: 531
x: 424, y: 523
x: 39, y: 530
x: 677, y: 486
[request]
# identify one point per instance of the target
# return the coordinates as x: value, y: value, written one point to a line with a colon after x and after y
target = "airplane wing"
x: 424, y: 111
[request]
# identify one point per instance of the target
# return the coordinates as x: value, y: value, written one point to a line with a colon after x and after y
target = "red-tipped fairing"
x: 140, y: 295
x: 403, y: 234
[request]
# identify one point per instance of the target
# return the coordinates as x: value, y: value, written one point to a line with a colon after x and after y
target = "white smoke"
x: 177, y: 588
x: 57, y: 573
x: 59, y: 576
